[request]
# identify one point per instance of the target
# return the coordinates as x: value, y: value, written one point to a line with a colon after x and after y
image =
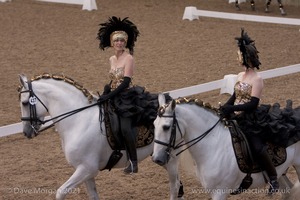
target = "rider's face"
x: 240, y: 57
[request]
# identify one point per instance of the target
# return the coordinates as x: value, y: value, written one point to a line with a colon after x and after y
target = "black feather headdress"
x: 248, y: 50
x: 116, y: 24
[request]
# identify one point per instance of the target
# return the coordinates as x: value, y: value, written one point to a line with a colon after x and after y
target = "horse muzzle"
x: 161, y: 158
x: 30, y: 131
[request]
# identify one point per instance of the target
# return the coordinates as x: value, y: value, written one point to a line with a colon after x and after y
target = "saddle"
x: 145, y: 136
x: 243, y: 154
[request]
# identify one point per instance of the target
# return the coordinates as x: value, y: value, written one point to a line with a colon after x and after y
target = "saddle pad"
x: 145, y: 136
x: 242, y: 154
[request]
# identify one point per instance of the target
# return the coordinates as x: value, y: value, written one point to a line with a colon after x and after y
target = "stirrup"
x: 131, y: 168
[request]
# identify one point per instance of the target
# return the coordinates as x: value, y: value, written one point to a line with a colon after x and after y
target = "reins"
x: 64, y: 115
x: 197, y: 139
x: 172, y: 139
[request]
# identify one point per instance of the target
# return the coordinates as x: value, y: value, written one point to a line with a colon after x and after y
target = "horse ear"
x: 23, y: 80
x: 161, y: 99
x: 173, y: 104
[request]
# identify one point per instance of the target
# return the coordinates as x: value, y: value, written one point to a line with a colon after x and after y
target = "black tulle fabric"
x: 278, y: 125
x: 138, y: 104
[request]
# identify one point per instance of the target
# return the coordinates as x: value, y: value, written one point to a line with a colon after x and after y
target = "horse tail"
x: 187, y: 163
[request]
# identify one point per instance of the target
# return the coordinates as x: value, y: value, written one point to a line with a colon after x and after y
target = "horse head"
x: 166, y: 126
x: 51, y: 91
x: 33, y: 110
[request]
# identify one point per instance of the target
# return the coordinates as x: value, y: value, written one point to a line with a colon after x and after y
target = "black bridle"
x: 172, y: 140
x: 34, y: 119
x: 171, y: 144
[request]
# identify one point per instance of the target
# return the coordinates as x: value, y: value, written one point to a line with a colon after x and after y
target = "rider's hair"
x: 113, y: 25
x: 248, y: 50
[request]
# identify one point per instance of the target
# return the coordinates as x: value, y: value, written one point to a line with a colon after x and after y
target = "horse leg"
x: 252, y: 5
x: 174, y: 182
x: 297, y: 168
x: 285, y: 185
x: 237, y: 6
x: 267, y: 6
x: 281, y: 8
x: 80, y: 175
x: 91, y: 189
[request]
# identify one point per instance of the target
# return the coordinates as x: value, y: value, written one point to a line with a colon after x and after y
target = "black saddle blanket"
x: 145, y: 135
x: 243, y: 153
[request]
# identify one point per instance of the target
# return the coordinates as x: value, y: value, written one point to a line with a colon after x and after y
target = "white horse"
x: 210, y: 147
x: 75, y: 114
x: 295, y: 192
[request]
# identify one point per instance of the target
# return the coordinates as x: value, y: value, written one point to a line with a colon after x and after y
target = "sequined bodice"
x: 117, y: 76
x: 242, y: 92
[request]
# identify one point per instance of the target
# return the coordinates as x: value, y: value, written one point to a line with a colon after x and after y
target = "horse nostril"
x: 159, y: 162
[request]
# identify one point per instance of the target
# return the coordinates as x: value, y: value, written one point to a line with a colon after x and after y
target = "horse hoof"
x: 282, y: 11
x: 267, y: 10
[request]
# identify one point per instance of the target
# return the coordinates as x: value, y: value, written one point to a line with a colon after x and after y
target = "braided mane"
x: 194, y: 101
x: 197, y: 102
x: 62, y: 77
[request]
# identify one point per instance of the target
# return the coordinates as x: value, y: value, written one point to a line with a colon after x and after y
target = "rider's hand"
x: 102, y: 98
x: 226, y: 110
x: 106, y: 89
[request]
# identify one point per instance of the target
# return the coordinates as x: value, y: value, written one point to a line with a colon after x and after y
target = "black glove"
x: 102, y: 98
x: 247, y: 107
x: 107, y: 88
x: 120, y: 88
x: 231, y: 100
x: 226, y: 110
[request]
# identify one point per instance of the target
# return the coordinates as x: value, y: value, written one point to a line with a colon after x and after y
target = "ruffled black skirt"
x: 138, y: 104
x: 280, y: 126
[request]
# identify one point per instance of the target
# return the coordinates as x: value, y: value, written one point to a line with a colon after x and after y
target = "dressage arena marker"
x: 192, y: 13
x: 226, y: 85
x: 86, y: 4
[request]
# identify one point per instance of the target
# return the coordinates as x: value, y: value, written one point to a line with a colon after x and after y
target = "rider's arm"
x: 231, y: 100
x: 125, y: 84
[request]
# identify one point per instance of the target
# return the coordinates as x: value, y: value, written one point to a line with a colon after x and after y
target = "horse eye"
x: 25, y: 103
x: 166, y: 127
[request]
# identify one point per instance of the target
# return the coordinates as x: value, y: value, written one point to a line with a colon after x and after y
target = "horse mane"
x: 197, y: 102
x: 62, y: 77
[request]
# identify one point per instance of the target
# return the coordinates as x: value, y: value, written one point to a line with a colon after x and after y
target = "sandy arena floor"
x: 171, y: 53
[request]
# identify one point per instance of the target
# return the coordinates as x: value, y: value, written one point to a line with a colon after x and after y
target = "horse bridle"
x: 171, y: 144
x: 172, y: 140
x: 32, y: 101
x: 34, y: 119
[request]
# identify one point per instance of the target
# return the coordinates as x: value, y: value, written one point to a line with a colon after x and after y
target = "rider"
x: 245, y: 101
x: 132, y: 103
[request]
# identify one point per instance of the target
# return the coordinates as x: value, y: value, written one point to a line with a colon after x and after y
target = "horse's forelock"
x: 162, y: 110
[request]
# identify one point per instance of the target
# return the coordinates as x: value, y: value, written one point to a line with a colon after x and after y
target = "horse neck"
x: 197, y: 121
x: 59, y: 96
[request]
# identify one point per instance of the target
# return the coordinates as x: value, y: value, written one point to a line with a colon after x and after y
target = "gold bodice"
x: 242, y: 93
x: 116, y: 75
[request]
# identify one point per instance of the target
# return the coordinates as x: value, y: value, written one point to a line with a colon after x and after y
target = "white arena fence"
x: 86, y: 4
x: 192, y: 13
x: 226, y: 85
